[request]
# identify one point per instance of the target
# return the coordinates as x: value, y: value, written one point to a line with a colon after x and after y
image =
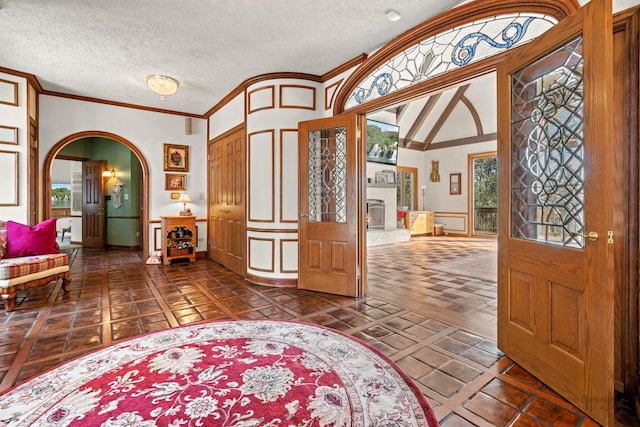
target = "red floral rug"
x: 224, y: 373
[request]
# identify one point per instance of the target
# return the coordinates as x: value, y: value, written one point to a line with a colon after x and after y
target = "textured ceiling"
x: 106, y: 48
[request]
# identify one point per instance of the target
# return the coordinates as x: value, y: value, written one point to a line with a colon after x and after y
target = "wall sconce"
x: 184, y: 198
x: 109, y: 174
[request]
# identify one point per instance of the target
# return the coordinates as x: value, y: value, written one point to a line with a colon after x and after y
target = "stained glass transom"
x: 327, y: 186
x: 547, y: 174
x: 451, y: 49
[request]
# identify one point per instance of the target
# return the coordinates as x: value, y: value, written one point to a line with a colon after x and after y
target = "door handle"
x: 304, y: 215
x: 592, y: 235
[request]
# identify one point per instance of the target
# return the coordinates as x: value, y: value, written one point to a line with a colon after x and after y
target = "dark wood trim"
x: 284, y: 75
x: 274, y: 283
x: 453, y: 102
x: 282, y: 132
x: 73, y: 158
x: 260, y: 89
x: 253, y: 80
x: 272, y: 230
x: 474, y: 114
x: 273, y: 170
x: 273, y: 252
x: 15, y: 94
x: 282, y: 241
x: 463, y: 141
x: 628, y: 22
x: 144, y: 166
x: 301, y: 107
x: 33, y: 80
x: 422, y: 117
x: 455, y: 17
x: 120, y: 104
x: 328, y: 101
x: 344, y: 67
x: 228, y: 132
x: 157, y: 221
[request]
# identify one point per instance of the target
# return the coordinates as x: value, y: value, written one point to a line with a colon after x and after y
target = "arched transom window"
x: 448, y: 50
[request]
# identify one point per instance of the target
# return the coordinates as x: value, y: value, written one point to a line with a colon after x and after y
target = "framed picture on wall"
x: 454, y: 183
x: 176, y: 158
x: 175, y: 182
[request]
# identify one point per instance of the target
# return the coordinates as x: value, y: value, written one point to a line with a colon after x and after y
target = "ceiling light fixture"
x: 392, y: 15
x: 162, y: 85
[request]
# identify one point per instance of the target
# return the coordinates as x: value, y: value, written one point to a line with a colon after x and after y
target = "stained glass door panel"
x: 555, y: 284
x: 328, y: 226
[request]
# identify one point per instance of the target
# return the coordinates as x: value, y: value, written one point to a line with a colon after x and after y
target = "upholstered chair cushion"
x: 23, y: 240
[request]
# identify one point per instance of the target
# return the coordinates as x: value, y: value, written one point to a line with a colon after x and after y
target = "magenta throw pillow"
x: 23, y: 240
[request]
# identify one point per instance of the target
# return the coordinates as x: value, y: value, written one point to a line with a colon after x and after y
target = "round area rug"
x: 224, y: 373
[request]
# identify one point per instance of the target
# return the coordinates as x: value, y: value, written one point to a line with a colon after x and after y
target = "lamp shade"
x: 184, y: 197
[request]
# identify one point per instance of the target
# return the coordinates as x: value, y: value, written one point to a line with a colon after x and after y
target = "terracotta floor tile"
x: 492, y: 410
x: 460, y: 371
x: 551, y: 413
x: 441, y: 383
x: 439, y: 327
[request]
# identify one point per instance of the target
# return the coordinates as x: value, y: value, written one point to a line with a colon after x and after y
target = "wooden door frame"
x: 471, y: 193
x: 414, y: 196
x: 144, y: 166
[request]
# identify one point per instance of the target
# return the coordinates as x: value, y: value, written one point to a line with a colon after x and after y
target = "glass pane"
x: 327, y: 186
x: 547, y: 175
x: 485, y: 195
x: 451, y: 49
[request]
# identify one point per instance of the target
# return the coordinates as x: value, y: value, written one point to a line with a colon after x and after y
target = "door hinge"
x: 610, y: 237
x: 357, y: 271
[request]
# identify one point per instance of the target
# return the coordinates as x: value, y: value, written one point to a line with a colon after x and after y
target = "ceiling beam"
x: 463, y: 141
x: 444, y: 116
x: 400, y: 112
x: 426, y: 110
x: 474, y: 114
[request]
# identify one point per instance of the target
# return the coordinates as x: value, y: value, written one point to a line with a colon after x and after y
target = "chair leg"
x: 66, y: 283
x: 9, y: 301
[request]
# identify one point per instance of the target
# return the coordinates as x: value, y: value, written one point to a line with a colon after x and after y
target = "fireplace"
x: 375, y: 214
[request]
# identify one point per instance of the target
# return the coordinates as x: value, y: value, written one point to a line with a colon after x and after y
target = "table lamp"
x: 184, y: 198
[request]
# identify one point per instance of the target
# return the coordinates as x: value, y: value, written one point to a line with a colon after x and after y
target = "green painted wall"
x: 122, y: 225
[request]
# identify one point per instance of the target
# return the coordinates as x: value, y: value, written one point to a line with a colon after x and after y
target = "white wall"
x: 16, y: 116
x: 147, y: 131
x: 452, y: 210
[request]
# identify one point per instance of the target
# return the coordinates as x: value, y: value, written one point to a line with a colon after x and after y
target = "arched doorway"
x: 144, y: 167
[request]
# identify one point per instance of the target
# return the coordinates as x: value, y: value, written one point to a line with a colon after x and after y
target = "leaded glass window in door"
x: 327, y: 186
x: 547, y: 173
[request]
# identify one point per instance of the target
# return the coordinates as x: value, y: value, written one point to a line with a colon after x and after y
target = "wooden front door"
x: 227, y: 201
x: 329, y: 257
x: 92, y: 204
x: 555, y: 268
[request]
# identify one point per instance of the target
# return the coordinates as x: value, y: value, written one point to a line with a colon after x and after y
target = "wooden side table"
x: 179, y: 238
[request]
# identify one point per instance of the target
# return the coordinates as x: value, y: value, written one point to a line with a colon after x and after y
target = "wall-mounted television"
x: 382, y: 142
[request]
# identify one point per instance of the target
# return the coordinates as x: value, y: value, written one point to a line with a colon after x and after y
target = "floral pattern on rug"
x: 224, y: 373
